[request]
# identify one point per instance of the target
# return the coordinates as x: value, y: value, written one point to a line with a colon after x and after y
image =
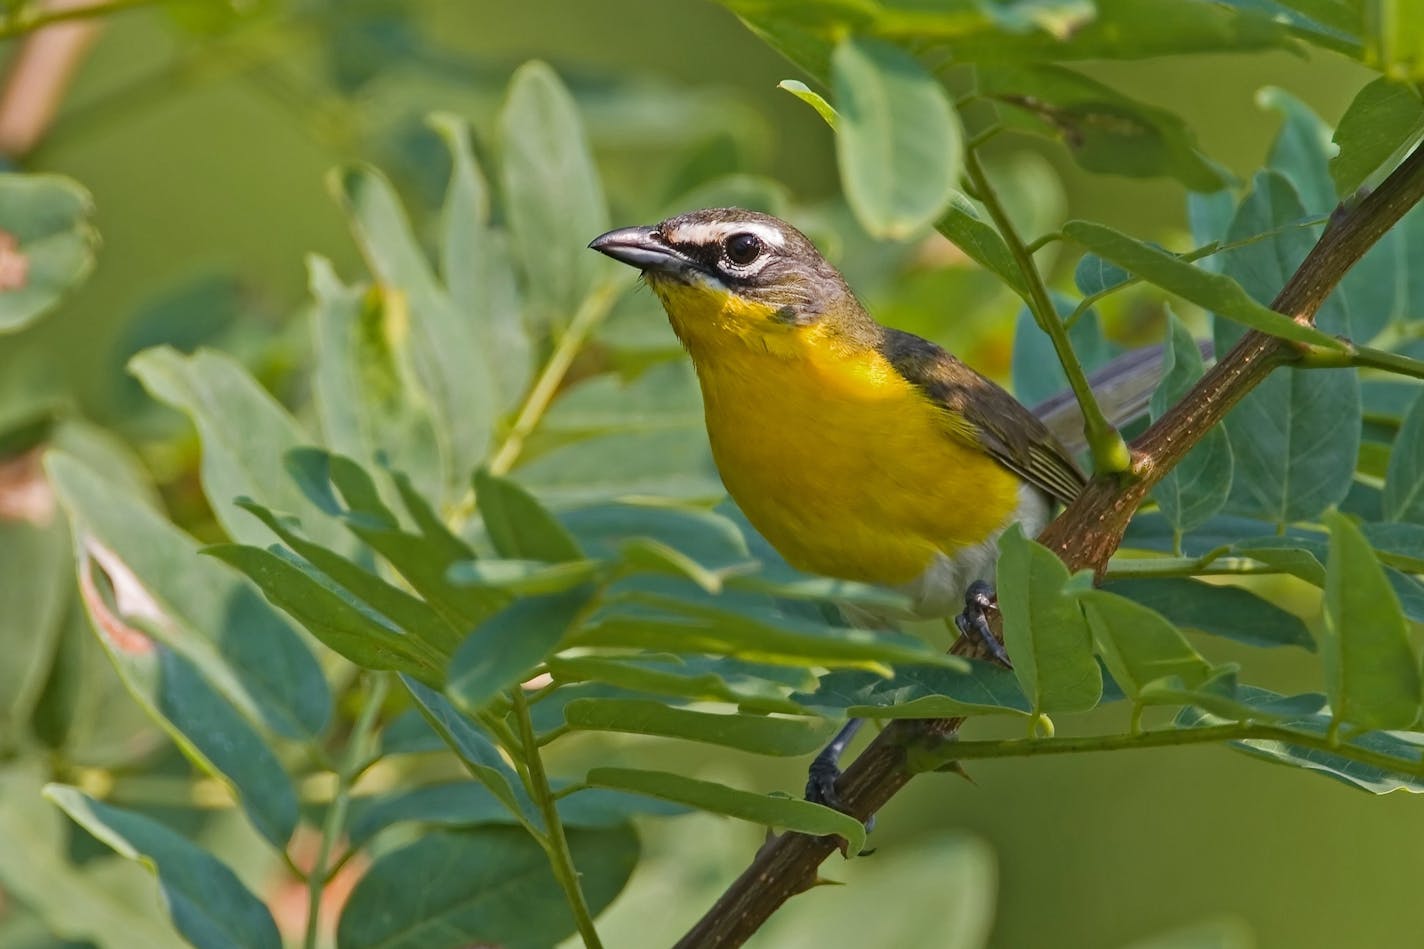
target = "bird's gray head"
x: 755, y: 257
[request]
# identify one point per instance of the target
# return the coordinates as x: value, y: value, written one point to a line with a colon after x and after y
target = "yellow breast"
x: 845, y: 467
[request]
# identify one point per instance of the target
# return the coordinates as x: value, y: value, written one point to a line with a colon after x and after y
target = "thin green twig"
x: 554, y: 841
x: 1363, y: 357
x: 335, y: 822
x: 1109, y: 451
x: 922, y: 758
x: 1042, y: 241
x: 1126, y: 568
x: 590, y: 314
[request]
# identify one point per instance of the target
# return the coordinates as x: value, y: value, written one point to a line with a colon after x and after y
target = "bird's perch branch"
x: 1084, y: 536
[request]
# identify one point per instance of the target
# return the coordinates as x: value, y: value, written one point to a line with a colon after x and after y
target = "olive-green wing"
x: 982, y: 412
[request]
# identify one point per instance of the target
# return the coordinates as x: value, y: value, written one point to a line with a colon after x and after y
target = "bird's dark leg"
x: 821, y: 778
x: 979, y: 601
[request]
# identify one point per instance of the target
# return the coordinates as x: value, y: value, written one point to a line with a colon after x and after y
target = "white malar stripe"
x: 715, y: 232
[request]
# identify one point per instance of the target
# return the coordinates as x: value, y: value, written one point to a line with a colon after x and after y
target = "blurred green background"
x: 206, y: 156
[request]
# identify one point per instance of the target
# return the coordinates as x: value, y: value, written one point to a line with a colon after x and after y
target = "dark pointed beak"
x: 641, y: 247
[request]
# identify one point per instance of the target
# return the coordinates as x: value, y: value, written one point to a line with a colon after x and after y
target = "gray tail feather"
x: 1123, y: 386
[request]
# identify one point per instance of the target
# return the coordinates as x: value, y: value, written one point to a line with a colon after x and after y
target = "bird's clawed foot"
x: 979, y: 601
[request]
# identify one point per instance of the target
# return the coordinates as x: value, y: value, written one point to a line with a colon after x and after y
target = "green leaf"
x: 1026, y: 30
x: 478, y: 270
x: 1198, y: 486
x: 34, y: 559
x: 423, y: 559
x: 1262, y: 705
x: 1230, y: 612
x: 803, y: 92
x: 1140, y: 645
x: 1045, y: 632
x: 899, y: 143
x: 518, y: 525
x: 245, y: 649
x: 246, y: 436
x: 1093, y: 275
x: 47, y: 242
x: 728, y: 626
x: 502, y: 649
x: 1385, y: 117
x: 1294, y: 438
x: 758, y: 734
x: 645, y: 438
x: 525, y: 577
x: 1209, y: 216
x: 552, y: 193
x: 1404, y: 481
x: 965, y: 227
x: 1216, y: 292
x: 208, y: 904
x: 749, y: 686
x: 473, y: 747
x: 92, y: 902
x: 333, y: 618
x: 370, y: 401
x: 1372, y: 673
x: 784, y: 812
x: 920, y: 692
x: 1224, y: 699
x: 1341, y: 767
x: 1382, y: 291
x: 1301, y: 151
x: 1397, y: 545
x: 445, y: 348
x: 1104, y: 130
x: 410, y: 613
x: 463, y: 804
x: 489, y: 886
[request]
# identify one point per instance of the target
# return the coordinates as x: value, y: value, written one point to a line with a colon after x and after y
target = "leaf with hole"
x: 47, y: 244
x: 247, y: 650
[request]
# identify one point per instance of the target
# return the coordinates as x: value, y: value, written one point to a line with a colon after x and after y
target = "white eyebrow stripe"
x: 714, y: 232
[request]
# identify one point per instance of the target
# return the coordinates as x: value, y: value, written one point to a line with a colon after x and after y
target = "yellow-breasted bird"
x: 858, y: 451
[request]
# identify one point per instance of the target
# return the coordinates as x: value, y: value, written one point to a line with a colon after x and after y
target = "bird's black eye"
x: 742, y: 249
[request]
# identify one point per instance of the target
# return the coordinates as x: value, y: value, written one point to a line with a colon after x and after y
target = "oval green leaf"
x: 899, y: 141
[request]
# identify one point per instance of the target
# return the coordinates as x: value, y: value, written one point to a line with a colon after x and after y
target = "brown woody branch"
x: 1084, y: 536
